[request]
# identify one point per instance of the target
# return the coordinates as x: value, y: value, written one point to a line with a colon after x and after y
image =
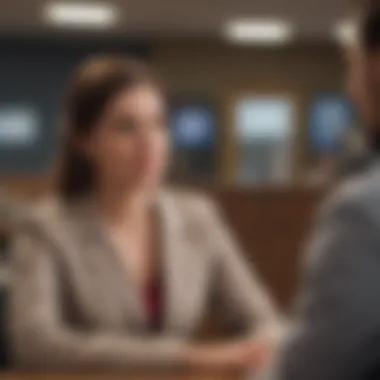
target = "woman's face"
x: 130, y: 144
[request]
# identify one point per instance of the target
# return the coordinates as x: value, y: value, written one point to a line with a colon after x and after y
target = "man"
x: 353, y: 156
x: 335, y: 334
x: 355, y: 152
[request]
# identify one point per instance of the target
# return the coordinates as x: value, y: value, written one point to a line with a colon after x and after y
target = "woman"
x: 116, y: 274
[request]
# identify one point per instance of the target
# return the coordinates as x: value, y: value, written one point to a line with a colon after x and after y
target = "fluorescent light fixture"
x: 345, y: 32
x: 259, y: 31
x: 80, y: 15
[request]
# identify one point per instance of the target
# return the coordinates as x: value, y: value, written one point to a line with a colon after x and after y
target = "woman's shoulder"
x: 43, y: 214
x: 190, y: 204
x: 195, y: 214
x: 185, y: 198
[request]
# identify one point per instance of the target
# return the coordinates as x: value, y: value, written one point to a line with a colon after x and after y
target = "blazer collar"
x: 173, y: 247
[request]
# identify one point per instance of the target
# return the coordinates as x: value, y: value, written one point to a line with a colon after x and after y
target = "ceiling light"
x: 84, y: 15
x: 258, y: 31
x: 345, y: 32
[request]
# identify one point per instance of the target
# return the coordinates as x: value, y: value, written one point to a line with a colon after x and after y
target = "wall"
x: 36, y: 72
x: 272, y: 227
x: 223, y: 72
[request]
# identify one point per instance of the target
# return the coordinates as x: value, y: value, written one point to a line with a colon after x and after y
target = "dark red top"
x: 154, y: 304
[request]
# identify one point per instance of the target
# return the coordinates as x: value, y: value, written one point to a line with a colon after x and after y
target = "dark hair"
x: 93, y: 85
x: 369, y: 25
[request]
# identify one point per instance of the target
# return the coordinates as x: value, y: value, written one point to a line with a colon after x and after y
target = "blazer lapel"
x: 173, y: 247
x: 100, y: 243
x: 174, y: 251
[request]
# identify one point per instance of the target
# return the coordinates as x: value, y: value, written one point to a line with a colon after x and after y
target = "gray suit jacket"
x: 335, y: 334
x: 73, y: 307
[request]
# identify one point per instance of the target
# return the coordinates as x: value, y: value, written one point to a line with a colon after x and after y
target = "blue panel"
x: 330, y: 118
x: 193, y: 126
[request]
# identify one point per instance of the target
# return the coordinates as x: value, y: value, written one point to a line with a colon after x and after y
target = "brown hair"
x: 94, y: 84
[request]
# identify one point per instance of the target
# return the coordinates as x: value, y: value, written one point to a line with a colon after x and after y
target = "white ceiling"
x: 152, y: 18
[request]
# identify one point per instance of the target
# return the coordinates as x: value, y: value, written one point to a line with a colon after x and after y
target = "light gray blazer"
x: 73, y: 307
x: 335, y: 334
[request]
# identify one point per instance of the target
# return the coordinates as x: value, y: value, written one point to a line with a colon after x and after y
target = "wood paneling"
x: 272, y: 227
x: 223, y: 73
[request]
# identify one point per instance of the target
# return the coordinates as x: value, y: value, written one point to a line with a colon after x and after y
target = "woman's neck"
x: 121, y: 207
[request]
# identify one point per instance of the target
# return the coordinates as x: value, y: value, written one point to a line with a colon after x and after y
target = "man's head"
x: 364, y: 70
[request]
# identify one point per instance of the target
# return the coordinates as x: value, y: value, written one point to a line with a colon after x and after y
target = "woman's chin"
x: 145, y: 184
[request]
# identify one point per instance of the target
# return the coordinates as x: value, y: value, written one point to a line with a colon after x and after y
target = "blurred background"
x: 257, y: 104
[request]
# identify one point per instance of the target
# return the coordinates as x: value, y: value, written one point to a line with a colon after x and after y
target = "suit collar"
x: 173, y: 248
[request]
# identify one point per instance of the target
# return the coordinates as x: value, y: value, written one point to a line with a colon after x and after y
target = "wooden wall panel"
x: 272, y: 227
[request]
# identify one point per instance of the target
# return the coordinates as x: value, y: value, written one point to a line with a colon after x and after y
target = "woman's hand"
x: 235, y: 355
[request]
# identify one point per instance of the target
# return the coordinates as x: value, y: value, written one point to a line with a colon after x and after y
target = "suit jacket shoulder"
x: 361, y: 192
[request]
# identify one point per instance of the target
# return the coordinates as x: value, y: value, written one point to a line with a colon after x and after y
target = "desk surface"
x: 188, y: 376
